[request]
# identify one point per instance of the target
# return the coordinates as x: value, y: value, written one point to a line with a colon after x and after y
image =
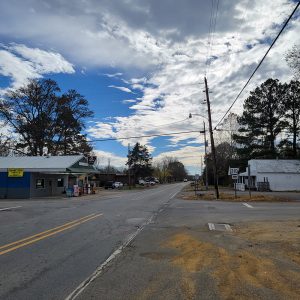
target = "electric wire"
x: 211, y: 35
x: 142, y: 136
x: 167, y: 124
x: 257, y: 67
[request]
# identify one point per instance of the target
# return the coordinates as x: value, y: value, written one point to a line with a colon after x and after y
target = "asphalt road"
x: 48, y: 247
x: 173, y: 256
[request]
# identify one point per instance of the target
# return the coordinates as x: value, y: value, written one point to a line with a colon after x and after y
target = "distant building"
x: 276, y: 174
x: 40, y: 176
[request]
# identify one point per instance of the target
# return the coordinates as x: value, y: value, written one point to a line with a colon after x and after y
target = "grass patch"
x: 210, y: 195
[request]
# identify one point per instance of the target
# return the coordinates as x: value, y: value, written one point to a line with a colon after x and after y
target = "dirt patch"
x: 204, y: 195
x: 188, y: 288
x: 156, y: 255
x: 238, y: 274
x: 283, y: 236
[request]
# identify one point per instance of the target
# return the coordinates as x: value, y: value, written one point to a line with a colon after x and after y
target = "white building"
x: 280, y: 174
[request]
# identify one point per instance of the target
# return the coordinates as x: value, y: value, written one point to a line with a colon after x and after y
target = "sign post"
x: 234, y: 175
x: 196, y: 183
x: 249, y: 180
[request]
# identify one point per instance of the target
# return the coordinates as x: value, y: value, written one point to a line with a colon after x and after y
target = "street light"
x: 205, y: 146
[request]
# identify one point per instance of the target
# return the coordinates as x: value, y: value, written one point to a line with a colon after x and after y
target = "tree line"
x: 269, y: 126
x: 44, y: 121
x: 140, y: 165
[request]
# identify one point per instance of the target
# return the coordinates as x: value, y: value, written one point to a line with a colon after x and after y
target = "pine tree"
x: 139, y: 161
x: 262, y: 120
x: 291, y: 105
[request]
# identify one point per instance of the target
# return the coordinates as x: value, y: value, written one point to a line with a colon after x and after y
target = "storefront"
x: 43, y: 176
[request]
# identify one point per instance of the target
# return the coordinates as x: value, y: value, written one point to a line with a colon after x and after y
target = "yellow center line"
x: 44, y: 232
x: 58, y: 229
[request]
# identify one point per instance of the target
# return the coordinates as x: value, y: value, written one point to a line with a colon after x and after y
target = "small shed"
x: 277, y: 174
x: 40, y: 176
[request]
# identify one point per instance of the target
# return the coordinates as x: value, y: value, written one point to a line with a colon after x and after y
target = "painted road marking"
x: 9, y: 208
x: 83, y: 285
x: 219, y: 226
x: 248, y: 205
x: 211, y: 226
x: 42, y: 235
x: 174, y: 195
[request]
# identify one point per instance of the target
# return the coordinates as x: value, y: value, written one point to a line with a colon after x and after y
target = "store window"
x: 40, y: 184
x: 60, y: 182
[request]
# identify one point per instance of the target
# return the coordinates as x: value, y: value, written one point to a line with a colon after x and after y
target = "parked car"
x: 109, y: 185
x: 142, y: 182
x: 185, y: 180
x: 118, y: 185
x: 152, y: 182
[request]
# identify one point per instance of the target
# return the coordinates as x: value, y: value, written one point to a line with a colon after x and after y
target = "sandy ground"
x: 266, y: 261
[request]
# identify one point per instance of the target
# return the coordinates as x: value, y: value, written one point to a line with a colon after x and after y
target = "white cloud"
x: 21, y: 63
x: 121, y: 88
x: 163, y: 50
x: 103, y: 157
x: 129, y: 101
x: 113, y: 75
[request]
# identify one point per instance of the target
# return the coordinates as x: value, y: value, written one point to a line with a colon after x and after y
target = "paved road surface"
x: 78, y: 235
x: 178, y: 257
x: 53, y: 264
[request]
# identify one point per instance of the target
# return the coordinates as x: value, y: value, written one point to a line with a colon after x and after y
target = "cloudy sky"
x: 141, y: 63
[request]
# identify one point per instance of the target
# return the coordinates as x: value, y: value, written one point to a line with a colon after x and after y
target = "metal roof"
x: 39, y: 162
x: 275, y: 166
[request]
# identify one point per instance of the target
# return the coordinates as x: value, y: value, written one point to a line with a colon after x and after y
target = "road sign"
x: 233, y: 171
x: 15, y: 172
x: 234, y: 176
x: 91, y: 160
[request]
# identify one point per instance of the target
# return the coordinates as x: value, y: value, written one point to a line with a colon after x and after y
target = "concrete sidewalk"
x: 178, y: 257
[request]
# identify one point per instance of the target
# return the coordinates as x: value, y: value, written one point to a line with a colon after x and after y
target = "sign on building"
x: 91, y: 160
x: 15, y: 172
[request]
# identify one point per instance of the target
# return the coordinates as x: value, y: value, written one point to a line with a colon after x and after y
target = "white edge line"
x: 228, y: 227
x: 8, y: 208
x: 84, y: 284
x: 248, y: 205
x: 174, y: 195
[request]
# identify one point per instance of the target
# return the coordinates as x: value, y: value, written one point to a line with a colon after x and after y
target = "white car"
x: 142, y: 182
x: 117, y: 185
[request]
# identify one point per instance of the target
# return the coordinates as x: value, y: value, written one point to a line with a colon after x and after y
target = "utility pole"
x: 249, y: 180
x: 213, y: 151
x: 205, y: 158
x: 129, y: 167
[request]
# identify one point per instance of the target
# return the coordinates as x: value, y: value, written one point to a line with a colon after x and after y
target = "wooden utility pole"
x: 212, y: 143
x: 129, y: 177
x: 205, y: 158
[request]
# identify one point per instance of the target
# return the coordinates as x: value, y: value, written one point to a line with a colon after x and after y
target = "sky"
x: 141, y: 63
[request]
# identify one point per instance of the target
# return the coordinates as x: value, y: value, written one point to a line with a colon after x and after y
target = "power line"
x: 257, y: 67
x: 212, y: 28
x: 143, y: 136
x: 170, y: 123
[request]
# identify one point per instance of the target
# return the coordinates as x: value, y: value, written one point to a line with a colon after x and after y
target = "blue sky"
x: 141, y: 63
